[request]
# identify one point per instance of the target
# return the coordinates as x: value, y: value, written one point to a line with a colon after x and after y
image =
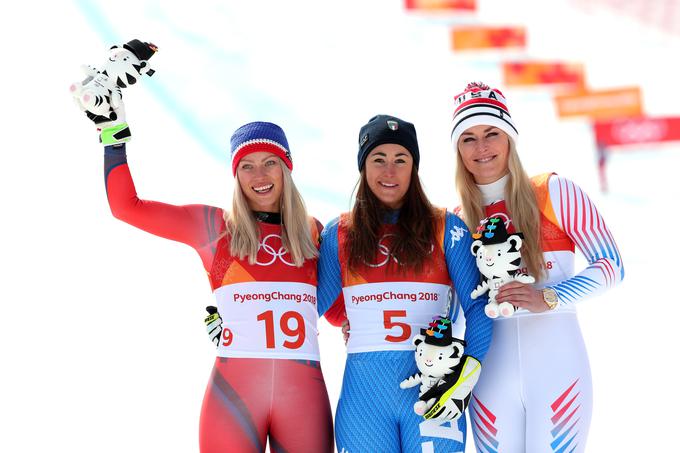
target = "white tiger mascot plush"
x: 437, y: 354
x: 99, y: 94
x: 498, y: 259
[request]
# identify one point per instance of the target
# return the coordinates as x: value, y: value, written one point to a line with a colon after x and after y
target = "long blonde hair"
x: 295, y: 231
x: 520, y: 201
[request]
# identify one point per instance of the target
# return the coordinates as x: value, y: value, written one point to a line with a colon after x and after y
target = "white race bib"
x: 268, y: 320
x: 386, y: 316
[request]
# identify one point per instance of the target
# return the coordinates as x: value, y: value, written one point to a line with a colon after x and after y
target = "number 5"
x: 389, y: 324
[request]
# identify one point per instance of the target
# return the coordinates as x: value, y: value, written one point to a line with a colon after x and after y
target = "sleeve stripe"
x: 604, y: 266
x: 583, y: 241
x: 576, y: 288
x: 585, y: 282
x: 580, y: 220
x: 564, y: 293
x: 595, y: 242
x: 607, y: 277
x: 608, y: 265
x: 577, y: 292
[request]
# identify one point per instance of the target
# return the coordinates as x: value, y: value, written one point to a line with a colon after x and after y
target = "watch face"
x: 550, y: 298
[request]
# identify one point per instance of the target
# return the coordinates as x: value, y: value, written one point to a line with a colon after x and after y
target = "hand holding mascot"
x: 99, y: 94
x: 498, y: 260
x: 446, y: 375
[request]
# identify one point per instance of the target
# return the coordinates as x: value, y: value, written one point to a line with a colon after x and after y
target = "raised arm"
x: 195, y: 225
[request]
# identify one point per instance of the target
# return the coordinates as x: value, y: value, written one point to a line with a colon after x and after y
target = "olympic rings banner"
x: 637, y: 130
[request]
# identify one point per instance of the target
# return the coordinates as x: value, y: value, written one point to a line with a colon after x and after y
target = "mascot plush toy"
x: 99, y: 93
x: 498, y: 260
x: 438, y: 354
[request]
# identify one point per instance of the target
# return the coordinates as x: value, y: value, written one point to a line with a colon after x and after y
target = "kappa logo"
x: 457, y: 234
x: 272, y: 251
x: 393, y: 125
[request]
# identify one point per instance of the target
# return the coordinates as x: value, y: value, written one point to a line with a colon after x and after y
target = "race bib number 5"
x: 390, y: 322
x: 386, y: 316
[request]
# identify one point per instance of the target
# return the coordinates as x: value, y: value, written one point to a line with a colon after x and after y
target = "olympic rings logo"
x: 384, y: 250
x: 280, y: 253
x: 640, y: 131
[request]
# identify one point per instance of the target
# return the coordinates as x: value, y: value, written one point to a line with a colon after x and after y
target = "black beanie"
x: 439, y: 332
x: 382, y: 129
x: 142, y: 50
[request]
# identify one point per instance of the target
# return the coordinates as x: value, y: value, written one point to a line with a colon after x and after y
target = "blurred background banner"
x: 601, y: 104
x: 484, y: 37
x: 636, y: 131
x: 663, y: 15
x: 441, y: 5
x: 103, y: 344
x: 531, y: 73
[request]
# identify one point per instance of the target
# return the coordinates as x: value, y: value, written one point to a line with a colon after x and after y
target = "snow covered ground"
x: 101, y: 333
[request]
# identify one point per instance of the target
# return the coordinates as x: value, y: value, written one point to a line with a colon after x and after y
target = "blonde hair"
x: 295, y: 229
x: 520, y: 201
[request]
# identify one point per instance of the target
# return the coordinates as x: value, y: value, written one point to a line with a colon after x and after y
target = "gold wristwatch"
x: 550, y: 298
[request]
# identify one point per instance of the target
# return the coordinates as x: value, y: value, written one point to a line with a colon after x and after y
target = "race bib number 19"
x: 268, y: 320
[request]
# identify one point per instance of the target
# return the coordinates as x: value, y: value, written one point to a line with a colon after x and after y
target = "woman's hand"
x: 522, y: 295
x: 345, y: 330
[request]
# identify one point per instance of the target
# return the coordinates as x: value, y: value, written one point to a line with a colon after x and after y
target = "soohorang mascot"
x: 437, y: 355
x: 498, y: 260
x: 99, y: 93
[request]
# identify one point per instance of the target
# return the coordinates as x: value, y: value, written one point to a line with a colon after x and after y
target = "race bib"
x: 386, y: 316
x: 268, y: 320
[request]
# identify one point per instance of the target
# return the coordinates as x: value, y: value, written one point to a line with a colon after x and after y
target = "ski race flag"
x: 543, y: 73
x: 441, y: 5
x: 637, y: 131
x: 479, y: 37
x: 601, y: 104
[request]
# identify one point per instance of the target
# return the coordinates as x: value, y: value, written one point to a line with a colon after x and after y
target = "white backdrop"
x: 101, y: 334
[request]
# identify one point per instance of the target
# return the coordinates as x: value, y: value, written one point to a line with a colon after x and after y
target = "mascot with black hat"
x: 498, y: 260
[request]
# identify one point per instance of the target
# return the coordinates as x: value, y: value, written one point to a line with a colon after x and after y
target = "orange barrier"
x: 543, y: 73
x: 478, y: 37
x: 440, y: 5
x: 601, y: 104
